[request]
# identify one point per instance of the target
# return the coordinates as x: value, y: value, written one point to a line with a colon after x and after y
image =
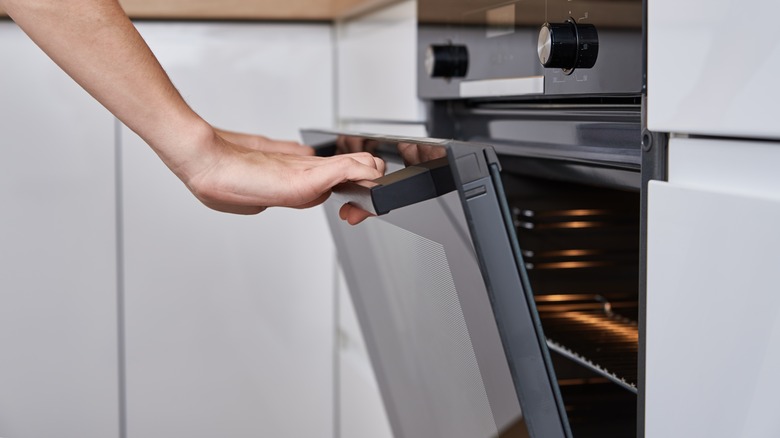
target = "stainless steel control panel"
x: 527, y: 48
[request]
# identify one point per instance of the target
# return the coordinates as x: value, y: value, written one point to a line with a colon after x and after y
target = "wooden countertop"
x: 275, y: 10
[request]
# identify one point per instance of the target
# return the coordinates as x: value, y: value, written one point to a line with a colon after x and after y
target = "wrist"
x: 187, y: 147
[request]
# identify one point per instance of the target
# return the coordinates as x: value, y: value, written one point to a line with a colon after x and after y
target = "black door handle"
x: 413, y: 184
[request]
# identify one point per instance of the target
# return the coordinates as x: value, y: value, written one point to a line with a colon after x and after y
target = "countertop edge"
x: 246, y: 10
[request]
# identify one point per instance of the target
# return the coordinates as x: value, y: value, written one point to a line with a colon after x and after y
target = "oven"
x: 500, y: 285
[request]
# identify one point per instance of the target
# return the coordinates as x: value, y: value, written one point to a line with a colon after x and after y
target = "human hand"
x: 345, y: 145
x: 265, y: 144
x: 352, y: 214
x: 234, y: 178
x: 411, y: 153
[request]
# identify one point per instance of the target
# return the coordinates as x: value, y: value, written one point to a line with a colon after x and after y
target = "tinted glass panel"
x: 426, y: 316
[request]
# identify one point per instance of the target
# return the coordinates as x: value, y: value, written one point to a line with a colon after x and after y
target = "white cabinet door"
x: 713, y: 298
x: 229, y: 319
x: 712, y: 67
x: 58, y: 294
x: 377, y: 66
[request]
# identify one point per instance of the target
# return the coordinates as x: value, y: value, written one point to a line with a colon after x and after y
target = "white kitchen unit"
x: 229, y: 319
x: 58, y: 283
x: 711, y: 68
x: 377, y: 66
x: 713, y: 328
x: 713, y: 312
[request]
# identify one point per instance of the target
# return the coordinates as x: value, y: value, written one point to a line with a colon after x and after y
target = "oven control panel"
x: 527, y: 48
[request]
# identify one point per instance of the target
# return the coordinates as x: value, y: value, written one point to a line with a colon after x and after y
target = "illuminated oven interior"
x: 580, y: 247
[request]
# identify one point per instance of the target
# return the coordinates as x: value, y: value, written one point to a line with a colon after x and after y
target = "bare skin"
x: 410, y: 152
x: 97, y: 45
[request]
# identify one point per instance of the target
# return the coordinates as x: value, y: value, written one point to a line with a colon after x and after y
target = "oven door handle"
x: 410, y: 185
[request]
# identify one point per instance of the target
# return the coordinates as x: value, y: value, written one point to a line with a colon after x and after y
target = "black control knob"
x: 447, y: 61
x: 568, y: 45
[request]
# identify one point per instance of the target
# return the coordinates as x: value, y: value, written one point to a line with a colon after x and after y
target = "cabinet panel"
x: 58, y: 294
x: 712, y: 310
x: 732, y: 166
x: 711, y: 67
x: 713, y: 313
x: 377, y: 66
x: 230, y: 318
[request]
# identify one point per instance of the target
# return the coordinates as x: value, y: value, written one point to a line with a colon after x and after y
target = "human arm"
x: 95, y: 43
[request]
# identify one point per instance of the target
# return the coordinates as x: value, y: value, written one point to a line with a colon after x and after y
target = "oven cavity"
x: 580, y: 248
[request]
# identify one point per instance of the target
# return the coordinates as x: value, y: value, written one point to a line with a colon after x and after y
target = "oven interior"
x: 580, y: 248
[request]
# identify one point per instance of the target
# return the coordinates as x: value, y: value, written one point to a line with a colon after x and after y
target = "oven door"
x: 442, y: 295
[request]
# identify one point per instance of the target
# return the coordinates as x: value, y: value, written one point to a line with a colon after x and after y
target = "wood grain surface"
x: 275, y: 10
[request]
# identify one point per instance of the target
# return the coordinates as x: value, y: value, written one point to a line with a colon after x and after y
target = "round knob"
x: 568, y: 45
x: 450, y: 61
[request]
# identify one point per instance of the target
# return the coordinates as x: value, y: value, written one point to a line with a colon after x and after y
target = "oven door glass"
x: 441, y: 293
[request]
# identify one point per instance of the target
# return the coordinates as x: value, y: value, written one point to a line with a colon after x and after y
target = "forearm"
x: 97, y: 45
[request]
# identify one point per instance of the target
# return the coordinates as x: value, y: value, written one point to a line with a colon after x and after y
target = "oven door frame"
x: 475, y: 171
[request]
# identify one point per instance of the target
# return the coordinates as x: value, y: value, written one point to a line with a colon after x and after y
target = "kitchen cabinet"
x: 712, y: 307
x: 377, y: 66
x: 229, y: 319
x: 712, y: 302
x: 724, y: 85
x: 58, y: 252
x: 225, y: 323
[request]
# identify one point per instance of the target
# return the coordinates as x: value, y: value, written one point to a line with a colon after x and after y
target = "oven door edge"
x: 506, y: 279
